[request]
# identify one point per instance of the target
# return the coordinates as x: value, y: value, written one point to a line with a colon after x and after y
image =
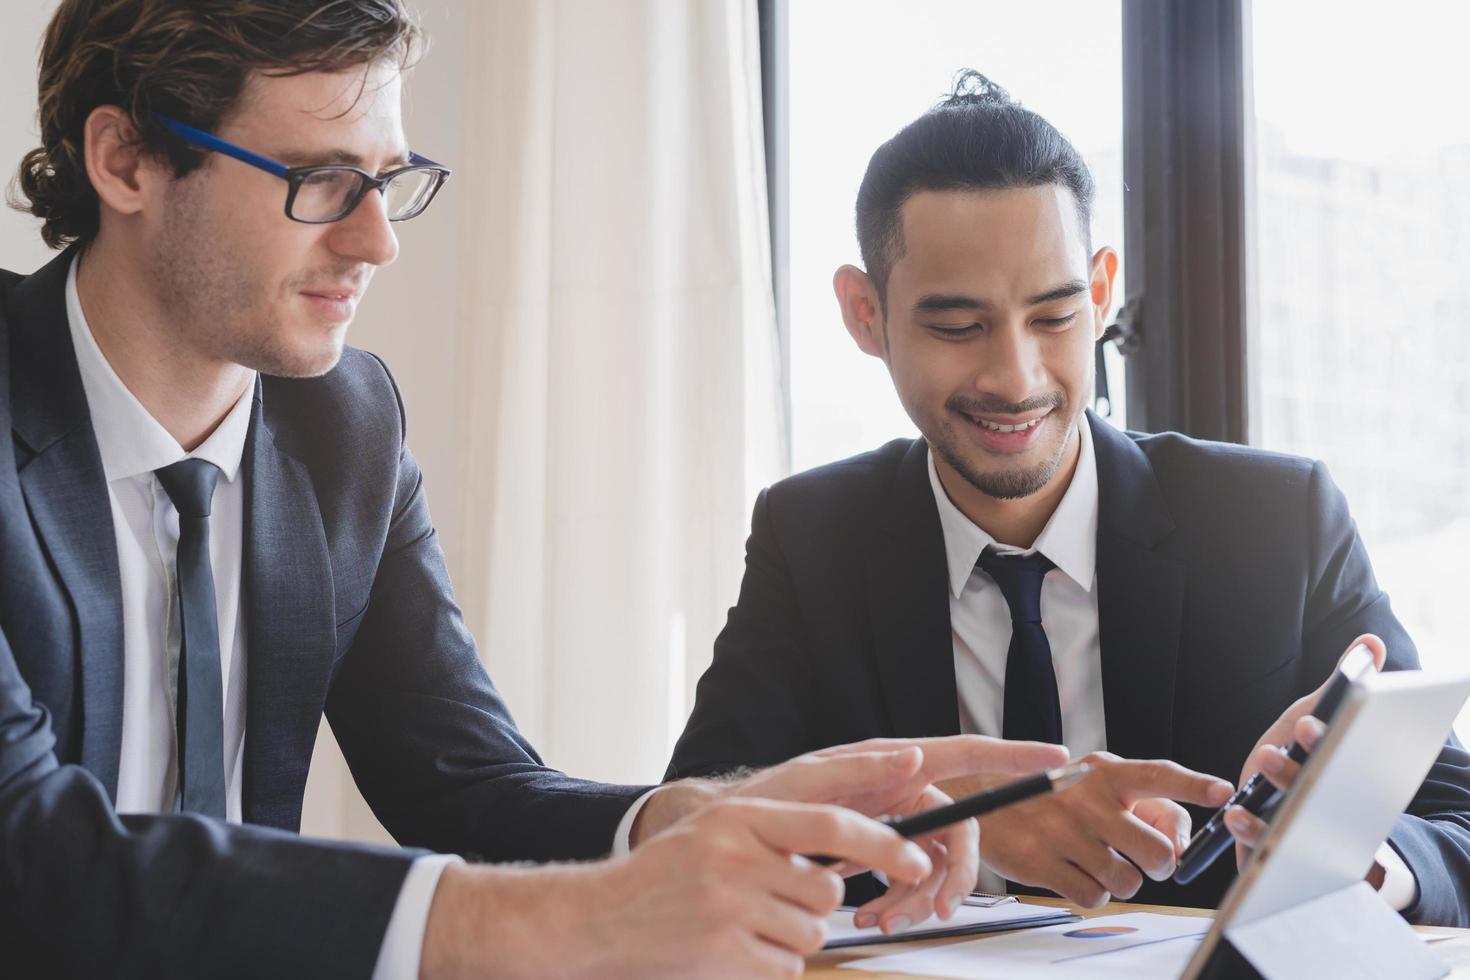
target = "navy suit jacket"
x: 348, y: 611
x: 1229, y: 582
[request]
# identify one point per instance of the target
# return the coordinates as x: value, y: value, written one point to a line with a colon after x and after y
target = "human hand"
x: 892, y: 777
x: 839, y: 775
x: 1089, y: 841
x: 1269, y: 756
x: 723, y: 892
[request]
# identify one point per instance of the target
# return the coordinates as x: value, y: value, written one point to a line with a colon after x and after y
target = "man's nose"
x: 366, y: 234
x: 1012, y: 368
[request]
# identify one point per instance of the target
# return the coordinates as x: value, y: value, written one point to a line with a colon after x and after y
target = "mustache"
x: 987, y: 404
x: 356, y: 276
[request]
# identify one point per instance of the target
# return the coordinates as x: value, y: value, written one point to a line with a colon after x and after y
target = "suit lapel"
x: 66, y: 495
x: 290, y: 626
x: 1140, y: 599
x: 908, y: 601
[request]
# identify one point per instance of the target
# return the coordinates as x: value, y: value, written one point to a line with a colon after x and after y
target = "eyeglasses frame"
x: 294, y: 176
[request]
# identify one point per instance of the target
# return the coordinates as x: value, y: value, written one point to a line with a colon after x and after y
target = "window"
x: 859, y: 71
x: 1361, y: 356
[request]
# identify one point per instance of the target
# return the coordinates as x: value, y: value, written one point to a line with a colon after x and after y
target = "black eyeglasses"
x: 322, y: 194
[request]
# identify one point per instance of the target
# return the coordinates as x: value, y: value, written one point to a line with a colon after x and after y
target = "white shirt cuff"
x: 621, y: 843
x: 1400, y: 887
x: 403, y: 943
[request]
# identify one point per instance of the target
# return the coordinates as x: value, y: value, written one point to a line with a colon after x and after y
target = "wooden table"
x: 1452, y: 945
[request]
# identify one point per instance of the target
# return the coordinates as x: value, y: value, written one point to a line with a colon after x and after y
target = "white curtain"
x: 622, y: 374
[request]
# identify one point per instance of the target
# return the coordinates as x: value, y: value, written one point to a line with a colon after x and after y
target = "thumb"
x: 1375, y: 646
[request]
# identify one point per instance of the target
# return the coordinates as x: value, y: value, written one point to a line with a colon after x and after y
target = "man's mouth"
x: 335, y: 295
x: 994, y: 426
x: 336, y: 303
x: 1007, y: 433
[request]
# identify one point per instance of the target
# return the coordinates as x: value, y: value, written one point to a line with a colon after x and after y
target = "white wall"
x: 21, y: 25
x: 411, y: 316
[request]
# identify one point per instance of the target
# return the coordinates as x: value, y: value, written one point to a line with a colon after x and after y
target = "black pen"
x: 1258, y: 795
x: 979, y: 804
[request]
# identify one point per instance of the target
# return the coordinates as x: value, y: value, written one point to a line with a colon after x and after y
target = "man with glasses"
x: 214, y: 533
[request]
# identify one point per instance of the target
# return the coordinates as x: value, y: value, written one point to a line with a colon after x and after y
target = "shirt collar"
x: 1069, y: 538
x: 129, y: 439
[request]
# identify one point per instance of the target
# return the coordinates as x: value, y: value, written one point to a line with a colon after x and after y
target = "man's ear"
x: 861, y: 312
x: 121, y: 174
x: 1104, y: 273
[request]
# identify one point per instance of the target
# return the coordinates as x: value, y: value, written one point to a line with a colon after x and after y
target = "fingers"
x: 1246, y: 828
x: 948, y: 756
x: 955, y: 853
x: 1135, y: 780
x: 807, y: 828
x: 1308, y: 731
x: 804, y: 883
x: 823, y: 778
x: 1149, y: 849
x: 1077, y: 886
x: 1273, y: 762
x: 960, y: 755
x: 962, y: 866
x: 786, y: 926
x: 1373, y: 643
x: 906, y: 905
x: 1169, y: 819
x: 1105, y: 866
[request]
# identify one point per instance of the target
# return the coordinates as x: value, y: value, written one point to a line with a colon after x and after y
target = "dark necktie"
x: 189, y: 483
x: 1032, y: 709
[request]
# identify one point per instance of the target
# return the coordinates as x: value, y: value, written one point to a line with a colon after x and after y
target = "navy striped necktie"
x: 1033, y: 711
x: 190, y: 484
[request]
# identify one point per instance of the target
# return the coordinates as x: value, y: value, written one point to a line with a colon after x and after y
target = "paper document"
x: 966, y: 919
x: 1135, y: 946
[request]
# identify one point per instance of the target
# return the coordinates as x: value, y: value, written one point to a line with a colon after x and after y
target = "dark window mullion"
x: 1184, y: 118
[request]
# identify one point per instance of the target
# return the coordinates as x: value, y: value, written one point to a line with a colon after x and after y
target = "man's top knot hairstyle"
x: 976, y: 138
x: 972, y: 88
x: 186, y: 59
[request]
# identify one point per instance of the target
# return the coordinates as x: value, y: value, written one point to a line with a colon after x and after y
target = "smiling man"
x: 1024, y: 569
x: 214, y: 533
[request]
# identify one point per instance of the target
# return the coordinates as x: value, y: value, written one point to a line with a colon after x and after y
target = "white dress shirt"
x: 133, y: 445
x: 980, y: 622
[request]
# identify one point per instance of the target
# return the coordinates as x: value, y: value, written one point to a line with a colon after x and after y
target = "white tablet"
x: 1300, y: 902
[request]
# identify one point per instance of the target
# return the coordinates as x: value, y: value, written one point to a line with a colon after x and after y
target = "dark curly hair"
x: 977, y: 138
x: 187, y: 59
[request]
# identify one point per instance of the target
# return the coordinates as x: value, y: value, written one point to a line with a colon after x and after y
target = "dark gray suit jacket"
x: 348, y: 611
x: 1229, y: 581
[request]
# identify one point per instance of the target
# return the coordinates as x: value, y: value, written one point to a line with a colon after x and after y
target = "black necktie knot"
x: 190, y: 484
x: 1019, y: 578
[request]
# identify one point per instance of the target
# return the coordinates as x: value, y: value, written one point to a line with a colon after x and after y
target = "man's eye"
x: 1056, y: 323
x: 956, y: 330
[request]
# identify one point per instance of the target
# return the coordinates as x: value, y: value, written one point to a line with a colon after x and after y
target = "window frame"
x: 1184, y: 323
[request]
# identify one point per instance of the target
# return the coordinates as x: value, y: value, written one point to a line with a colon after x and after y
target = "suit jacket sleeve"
x: 428, y: 738
x: 752, y: 704
x: 1343, y: 601
x: 84, y: 892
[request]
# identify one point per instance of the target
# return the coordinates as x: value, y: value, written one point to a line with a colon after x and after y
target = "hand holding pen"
x: 1270, y: 769
x: 1274, y: 764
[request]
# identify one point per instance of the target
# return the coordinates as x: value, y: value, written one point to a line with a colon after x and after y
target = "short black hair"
x: 977, y: 138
